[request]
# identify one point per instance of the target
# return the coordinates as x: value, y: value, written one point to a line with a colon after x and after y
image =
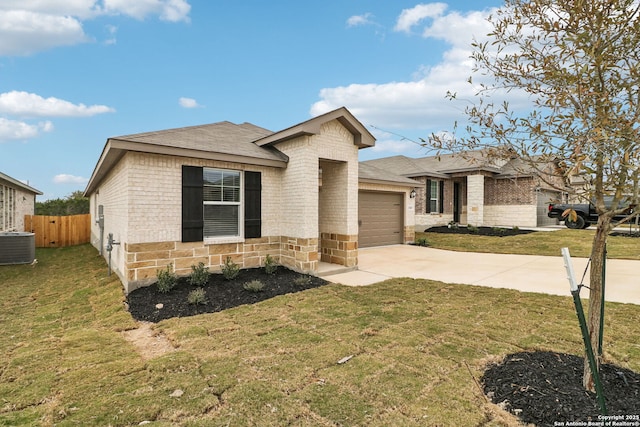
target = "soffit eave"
x: 389, y: 182
x: 115, y: 149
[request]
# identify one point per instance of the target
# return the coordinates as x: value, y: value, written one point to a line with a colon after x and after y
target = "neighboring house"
x: 16, y: 200
x: 205, y: 193
x: 473, y: 189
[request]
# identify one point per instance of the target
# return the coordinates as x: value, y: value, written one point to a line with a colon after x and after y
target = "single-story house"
x: 16, y: 200
x: 204, y: 193
x: 475, y: 189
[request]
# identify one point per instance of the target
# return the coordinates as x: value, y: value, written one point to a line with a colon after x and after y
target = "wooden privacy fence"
x: 59, y: 231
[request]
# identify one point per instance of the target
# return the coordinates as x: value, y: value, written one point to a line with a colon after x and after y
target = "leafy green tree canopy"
x: 74, y: 204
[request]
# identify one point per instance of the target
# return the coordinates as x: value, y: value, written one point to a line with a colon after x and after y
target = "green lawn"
x: 417, y: 346
x: 538, y: 243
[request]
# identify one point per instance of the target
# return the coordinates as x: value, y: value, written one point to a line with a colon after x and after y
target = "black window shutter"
x: 252, y: 205
x: 428, y: 201
x: 441, y: 198
x: 192, y: 209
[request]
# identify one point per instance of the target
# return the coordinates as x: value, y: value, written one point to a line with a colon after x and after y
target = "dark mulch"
x: 545, y: 389
x: 479, y: 231
x: 625, y: 234
x: 221, y: 294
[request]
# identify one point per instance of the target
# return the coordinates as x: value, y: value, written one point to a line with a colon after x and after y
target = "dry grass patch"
x: 417, y: 349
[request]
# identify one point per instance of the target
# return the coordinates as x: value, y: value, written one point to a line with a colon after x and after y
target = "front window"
x: 221, y: 194
x: 433, y: 195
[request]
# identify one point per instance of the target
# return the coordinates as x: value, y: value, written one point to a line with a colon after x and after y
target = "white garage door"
x: 380, y: 219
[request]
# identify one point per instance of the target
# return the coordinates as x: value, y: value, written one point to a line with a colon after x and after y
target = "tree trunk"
x: 595, y: 296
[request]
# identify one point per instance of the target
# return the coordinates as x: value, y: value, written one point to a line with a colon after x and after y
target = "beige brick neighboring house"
x: 16, y: 200
x: 204, y: 193
x: 473, y: 189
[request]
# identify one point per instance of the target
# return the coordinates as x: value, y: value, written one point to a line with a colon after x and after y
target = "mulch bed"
x: 625, y: 234
x: 545, y: 389
x: 221, y: 294
x: 479, y: 231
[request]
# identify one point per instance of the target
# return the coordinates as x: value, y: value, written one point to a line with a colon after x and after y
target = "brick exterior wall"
x: 475, y: 200
x: 425, y: 220
x: 322, y: 207
x: 142, y: 199
x: 504, y: 201
x: 339, y: 249
x: 143, y: 260
x: 142, y: 202
x: 510, y: 215
x: 510, y: 191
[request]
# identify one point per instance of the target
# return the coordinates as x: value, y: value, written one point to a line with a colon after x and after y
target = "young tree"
x: 578, y: 62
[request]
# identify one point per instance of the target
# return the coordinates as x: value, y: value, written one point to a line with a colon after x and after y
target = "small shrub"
x: 230, y: 269
x: 270, y: 265
x: 199, y: 275
x: 422, y: 242
x: 254, y: 286
x: 166, y: 279
x: 498, y: 230
x: 515, y: 228
x: 197, y: 297
x: 302, y: 280
x: 452, y: 224
x: 472, y: 229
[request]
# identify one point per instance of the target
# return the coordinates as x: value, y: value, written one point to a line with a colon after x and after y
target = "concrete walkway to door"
x: 527, y: 273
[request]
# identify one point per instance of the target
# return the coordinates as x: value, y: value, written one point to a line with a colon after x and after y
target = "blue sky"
x: 76, y: 72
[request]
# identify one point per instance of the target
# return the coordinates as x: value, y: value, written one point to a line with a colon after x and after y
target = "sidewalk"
x: 527, y: 273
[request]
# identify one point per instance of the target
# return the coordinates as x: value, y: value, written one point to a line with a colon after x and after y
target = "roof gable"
x: 362, y: 137
x: 18, y: 184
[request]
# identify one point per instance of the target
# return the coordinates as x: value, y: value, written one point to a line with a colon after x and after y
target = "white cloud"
x: 168, y: 10
x: 188, y: 103
x: 26, y: 104
x: 12, y: 130
x: 112, y: 30
x: 358, y: 20
x: 24, y: 32
x: 412, y: 17
x: 64, y: 178
x: 82, y: 9
x: 421, y: 103
x: 393, y: 146
x: 29, y: 26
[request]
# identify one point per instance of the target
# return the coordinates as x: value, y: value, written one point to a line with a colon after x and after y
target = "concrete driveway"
x: 527, y: 273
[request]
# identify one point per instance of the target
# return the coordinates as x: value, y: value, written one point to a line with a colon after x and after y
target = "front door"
x: 456, y: 202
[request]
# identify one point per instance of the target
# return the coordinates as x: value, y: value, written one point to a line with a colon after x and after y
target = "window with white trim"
x: 434, y: 194
x: 222, y: 203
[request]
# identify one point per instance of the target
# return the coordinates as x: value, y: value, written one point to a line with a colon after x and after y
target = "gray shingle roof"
x: 226, y: 141
x: 441, y: 166
x: 400, y: 165
x: 18, y: 184
x: 368, y: 172
x: 223, y: 137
